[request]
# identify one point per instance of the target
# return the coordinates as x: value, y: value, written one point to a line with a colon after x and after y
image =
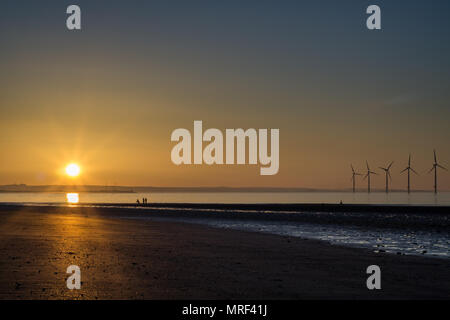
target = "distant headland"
x: 152, y: 189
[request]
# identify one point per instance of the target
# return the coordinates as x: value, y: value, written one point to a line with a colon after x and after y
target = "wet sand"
x: 136, y: 259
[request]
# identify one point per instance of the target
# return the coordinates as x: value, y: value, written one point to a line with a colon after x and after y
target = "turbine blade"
x: 390, y: 165
x: 431, y: 170
x: 409, y: 160
x: 389, y: 174
x: 414, y: 171
x: 365, y: 177
x: 367, y: 164
x: 442, y: 167
x: 403, y: 170
x: 434, y: 151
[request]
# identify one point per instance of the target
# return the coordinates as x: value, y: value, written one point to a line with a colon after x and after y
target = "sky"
x: 109, y: 96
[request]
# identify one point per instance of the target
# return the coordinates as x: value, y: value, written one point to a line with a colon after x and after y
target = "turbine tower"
x: 408, y: 168
x: 435, y: 166
x: 353, y: 177
x: 388, y: 175
x: 368, y: 176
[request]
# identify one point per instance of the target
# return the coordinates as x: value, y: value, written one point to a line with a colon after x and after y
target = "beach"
x: 128, y: 258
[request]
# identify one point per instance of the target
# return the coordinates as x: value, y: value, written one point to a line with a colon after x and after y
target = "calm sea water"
x: 419, y: 198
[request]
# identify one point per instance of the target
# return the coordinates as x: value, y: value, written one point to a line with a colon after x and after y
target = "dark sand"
x: 136, y: 259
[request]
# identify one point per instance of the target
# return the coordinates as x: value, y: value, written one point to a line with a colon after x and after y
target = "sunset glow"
x: 181, y: 153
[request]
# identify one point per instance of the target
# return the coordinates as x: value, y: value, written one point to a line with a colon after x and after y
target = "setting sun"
x: 73, y: 170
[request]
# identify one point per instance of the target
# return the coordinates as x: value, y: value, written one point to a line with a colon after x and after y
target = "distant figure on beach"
x: 137, y: 201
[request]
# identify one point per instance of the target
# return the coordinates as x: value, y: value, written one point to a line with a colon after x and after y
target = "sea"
x: 378, y: 198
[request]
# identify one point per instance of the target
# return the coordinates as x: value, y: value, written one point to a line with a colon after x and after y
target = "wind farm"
x: 388, y: 176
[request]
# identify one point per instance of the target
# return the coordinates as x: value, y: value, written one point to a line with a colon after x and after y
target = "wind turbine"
x: 368, y: 176
x: 388, y: 175
x: 353, y: 176
x: 435, y: 166
x: 408, y: 168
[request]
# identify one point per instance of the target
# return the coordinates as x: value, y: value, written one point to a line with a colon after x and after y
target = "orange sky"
x: 108, y: 98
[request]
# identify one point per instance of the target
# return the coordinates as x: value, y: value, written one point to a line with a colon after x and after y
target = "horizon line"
x: 17, y: 187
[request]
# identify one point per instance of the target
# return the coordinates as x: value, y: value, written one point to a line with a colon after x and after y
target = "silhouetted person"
x: 137, y: 201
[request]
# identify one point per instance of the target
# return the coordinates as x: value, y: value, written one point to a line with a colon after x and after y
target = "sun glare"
x: 73, y: 170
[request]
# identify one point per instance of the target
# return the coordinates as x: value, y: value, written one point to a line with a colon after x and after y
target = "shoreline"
x: 365, y: 216
x: 135, y: 259
x: 331, y: 207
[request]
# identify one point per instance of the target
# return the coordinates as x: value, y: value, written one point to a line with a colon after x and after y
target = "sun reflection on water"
x: 72, y: 198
